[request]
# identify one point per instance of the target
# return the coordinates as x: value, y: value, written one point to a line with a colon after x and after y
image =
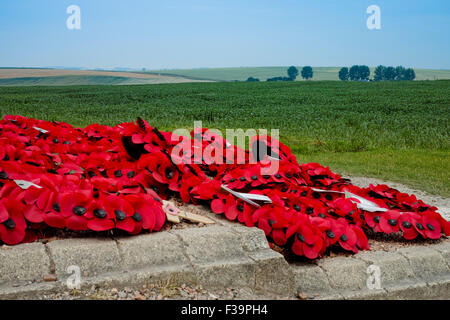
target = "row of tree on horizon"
x: 362, y: 73
x: 354, y: 73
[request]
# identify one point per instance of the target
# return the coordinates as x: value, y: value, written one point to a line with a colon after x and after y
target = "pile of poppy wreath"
x: 100, y: 178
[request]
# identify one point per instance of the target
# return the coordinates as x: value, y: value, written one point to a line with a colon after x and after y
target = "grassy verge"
x: 421, y: 169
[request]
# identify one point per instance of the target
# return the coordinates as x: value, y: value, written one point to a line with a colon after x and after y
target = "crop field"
x: 242, y: 73
x: 66, y: 77
x: 397, y: 131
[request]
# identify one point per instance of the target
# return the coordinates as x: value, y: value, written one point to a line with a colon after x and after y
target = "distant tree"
x: 400, y: 73
x: 389, y: 73
x: 354, y: 73
x: 343, y: 74
x: 292, y: 73
x: 307, y: 72
x: 279, y: 79
x: 379, y: 73
x: 251, y: 79
x: 364, y: 73
x: 410, y: 74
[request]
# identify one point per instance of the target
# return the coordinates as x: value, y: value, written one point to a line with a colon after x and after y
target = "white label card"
x: 26, y: 184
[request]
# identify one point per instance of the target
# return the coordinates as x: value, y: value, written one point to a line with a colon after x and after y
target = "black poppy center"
x: 242, y: 178
x: 100, y: 213
x: 232, y: 180
x: 266, y: 176
x: 430, y: 227
x: 120, y: 215
x: 419, y: 226
x: 330, y: 234
x: 300, y: 237
x: 137, y: 217
x: 278, y: 176
x: 169, y: 173
x: 344, y: 238
x: 57, y: 207
x: 271, y: 222
x: 91, y: 174
x: 392, y: 222
x: 240, y: 207
x: 3, y: 175
x: 310, y: 210
x: 296, y: 207
x: 130, y: 174
x: 376, y: 219
x: 254, y: 177
x: 79, y: 211
x: 118, y: 173
x: 9, y: 224
x: 407, y: 224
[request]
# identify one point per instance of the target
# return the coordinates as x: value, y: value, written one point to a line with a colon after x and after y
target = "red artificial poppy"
x: 12, y: 230
x: 389, y: 221
x: 431, y: 224
x: 348, y: 238
x: 407, y: 222
x: 308, y: 241
x: 235, y: 179
x: 148, y: 213
x: 123, y: 212
x: 330, y: 229
x: 99, y: 215
x: 361, y: 239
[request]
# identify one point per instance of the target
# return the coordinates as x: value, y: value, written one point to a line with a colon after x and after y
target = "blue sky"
x: 224, y: 33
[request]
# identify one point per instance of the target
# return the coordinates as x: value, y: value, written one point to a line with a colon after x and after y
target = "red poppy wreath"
x: 100, y: 178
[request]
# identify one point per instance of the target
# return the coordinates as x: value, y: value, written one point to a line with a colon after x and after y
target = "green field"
x: 75, y: 80
x: 399, y: 131
x: 242, y: 73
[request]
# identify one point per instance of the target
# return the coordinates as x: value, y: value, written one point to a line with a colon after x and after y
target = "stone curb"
x: 222, y: 255
x: 418, y: 272
x: 217, y: 256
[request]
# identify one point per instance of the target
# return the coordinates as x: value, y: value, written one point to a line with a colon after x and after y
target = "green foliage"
x: 398, y: 73
x: 389, y: 73
x: 379, y: 73
x: 251, y: 79
x: 364, y: 73
x: 343, y: 74
x: 307, y: 72
x: 279, y: 79
x: 292, y: 73
x: 354, y: 73
x: 409, y: 74
x: 359, y: 73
